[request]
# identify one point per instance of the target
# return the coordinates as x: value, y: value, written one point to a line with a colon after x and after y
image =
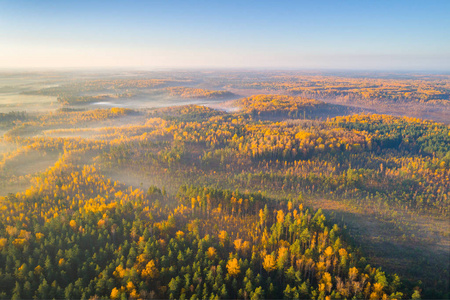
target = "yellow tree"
x: 211, y: 253
x: 150, y: 270
x: 233, y: 267
x: 269, y: 263
x: 115, y: 293
x: 238, y: 244
x: 223, y: 237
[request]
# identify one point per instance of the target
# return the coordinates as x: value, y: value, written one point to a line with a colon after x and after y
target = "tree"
x: 233, y: 267
x: 16, y: 291
x: 150, y: 270
x: 269, y: 263
x: 257, y: 294
x: 115, y: 293
x: 416, y: 295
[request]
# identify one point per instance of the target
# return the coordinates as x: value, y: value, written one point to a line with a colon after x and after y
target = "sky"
x: 360, y: 35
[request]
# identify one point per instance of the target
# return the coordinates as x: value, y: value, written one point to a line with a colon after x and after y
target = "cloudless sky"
x: 390, y: 35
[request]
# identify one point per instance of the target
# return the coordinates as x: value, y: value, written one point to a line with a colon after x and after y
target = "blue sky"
x: 387, y: 35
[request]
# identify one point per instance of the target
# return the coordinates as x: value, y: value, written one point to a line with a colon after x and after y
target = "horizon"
x: 313, y: 71
x: 359, y: 36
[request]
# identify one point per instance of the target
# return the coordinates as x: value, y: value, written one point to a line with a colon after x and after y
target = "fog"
x: 150, y: 102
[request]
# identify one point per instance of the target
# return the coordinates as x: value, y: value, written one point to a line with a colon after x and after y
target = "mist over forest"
x: 224, y: 184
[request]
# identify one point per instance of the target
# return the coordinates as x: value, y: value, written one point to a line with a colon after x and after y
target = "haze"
x: 224, y: 149
x: 400, y: 35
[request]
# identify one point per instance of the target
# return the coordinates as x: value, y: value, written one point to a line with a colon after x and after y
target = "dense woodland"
x: 423, y: 89
x: 378, y: 92
x: 75, y: 234
x: 85, y: 92
x: 185, y: 92
x: 224, y: 205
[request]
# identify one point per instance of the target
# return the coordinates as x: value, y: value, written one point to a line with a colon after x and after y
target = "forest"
x: 258, y: 187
